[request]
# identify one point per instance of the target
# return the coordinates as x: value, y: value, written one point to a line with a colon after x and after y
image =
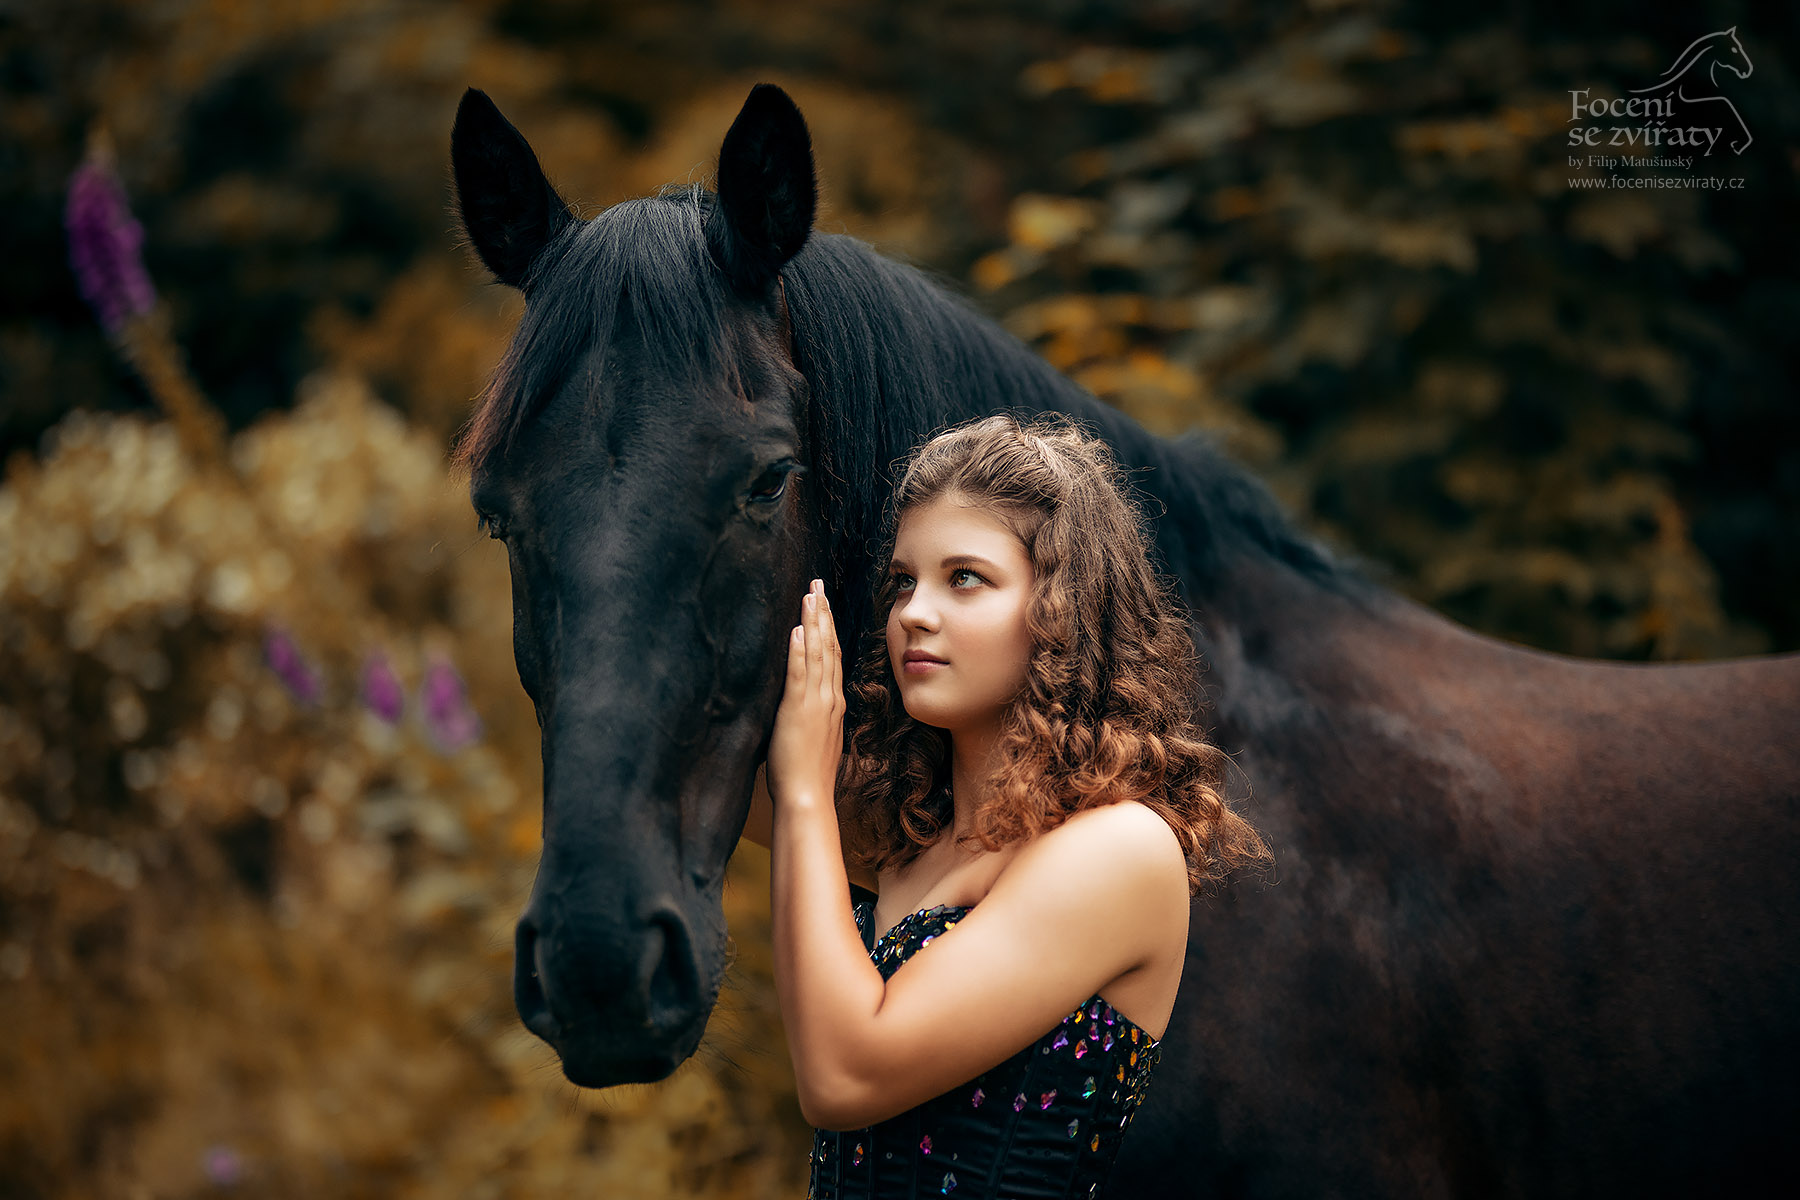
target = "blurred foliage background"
x: 268, y: 783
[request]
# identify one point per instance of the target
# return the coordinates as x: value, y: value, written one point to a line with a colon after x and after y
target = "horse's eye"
x: 770, y: 485
x: 496, y: 528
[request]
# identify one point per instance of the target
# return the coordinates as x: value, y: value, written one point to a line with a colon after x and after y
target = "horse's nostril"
x: 529, y: 994
x: 673, y: 978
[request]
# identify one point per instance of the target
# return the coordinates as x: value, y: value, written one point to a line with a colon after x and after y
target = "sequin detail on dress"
x: 1054, y: 1131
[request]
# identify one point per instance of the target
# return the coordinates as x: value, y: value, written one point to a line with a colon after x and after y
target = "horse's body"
x: 1531, y: 930
x: 1534, y: 930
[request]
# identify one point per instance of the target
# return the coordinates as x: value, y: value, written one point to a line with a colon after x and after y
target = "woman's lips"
x: 923, y: 666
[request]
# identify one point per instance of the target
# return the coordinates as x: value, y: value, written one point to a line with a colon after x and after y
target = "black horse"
x: 1536, y: 924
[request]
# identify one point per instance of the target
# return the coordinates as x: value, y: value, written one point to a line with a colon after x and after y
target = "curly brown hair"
x: 1110, y: 706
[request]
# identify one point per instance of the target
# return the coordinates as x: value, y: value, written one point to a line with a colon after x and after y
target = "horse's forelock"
x: 642, y: 261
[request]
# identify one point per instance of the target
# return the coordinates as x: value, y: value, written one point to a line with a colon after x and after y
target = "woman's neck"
x: 971, y: 755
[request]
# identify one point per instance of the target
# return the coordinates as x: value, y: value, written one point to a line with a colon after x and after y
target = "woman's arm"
x: 759, y: 825
x: 828, y: 988
x: 759, y: 828
x: 1102, y: 894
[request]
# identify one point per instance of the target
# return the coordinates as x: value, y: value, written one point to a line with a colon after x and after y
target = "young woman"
x: 1027, y: 809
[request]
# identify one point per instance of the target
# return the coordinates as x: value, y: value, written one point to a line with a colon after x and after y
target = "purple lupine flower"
x: 106, y: 244
x: 222, y: 1164
x: 285, y: 660
x: 444, y: 697
x: 381, y: 691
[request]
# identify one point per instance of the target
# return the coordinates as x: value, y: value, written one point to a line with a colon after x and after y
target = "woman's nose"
x: 917, y: 613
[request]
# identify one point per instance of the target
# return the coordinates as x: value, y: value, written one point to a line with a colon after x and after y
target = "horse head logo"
x: 1715, y: 50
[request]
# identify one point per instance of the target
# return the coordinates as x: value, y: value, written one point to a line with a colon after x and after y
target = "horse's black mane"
x: 892, y: 354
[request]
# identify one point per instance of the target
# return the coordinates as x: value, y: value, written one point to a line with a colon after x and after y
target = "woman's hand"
x: 809, y: 726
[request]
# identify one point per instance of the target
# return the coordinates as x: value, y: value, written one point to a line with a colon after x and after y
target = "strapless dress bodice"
x: 1045, y: 1123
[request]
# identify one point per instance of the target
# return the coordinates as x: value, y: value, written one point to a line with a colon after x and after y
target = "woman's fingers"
x: 829, y: 683
x: 824, y: 636
x: 796, y: 661
x: 815, y: 641
x: 815, y: 656
x: 815, y: 650
x: 834, y: 653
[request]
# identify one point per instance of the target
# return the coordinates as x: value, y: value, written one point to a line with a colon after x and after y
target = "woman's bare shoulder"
x: 1127, y: 836
x: 1133, y: 818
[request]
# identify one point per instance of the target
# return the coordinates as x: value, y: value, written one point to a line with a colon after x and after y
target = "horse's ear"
x: 767, y: 193
x: 507, y: 206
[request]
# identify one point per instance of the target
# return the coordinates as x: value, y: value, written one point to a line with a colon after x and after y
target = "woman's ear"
x: 767, y: 190
x: 507, y: 206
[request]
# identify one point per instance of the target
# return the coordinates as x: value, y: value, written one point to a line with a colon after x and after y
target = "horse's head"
x: 1732, y: 56
x: 642, y: 452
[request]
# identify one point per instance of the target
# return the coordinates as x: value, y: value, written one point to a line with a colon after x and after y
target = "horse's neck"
x: 1274, y: 642
x: 1703, y: 46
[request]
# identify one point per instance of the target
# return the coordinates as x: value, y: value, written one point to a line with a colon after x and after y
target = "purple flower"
x: 381, y: 691
x: 105, y: 244
x: 222, y: 1164
x: 443, y: 696
x: 285, y: 660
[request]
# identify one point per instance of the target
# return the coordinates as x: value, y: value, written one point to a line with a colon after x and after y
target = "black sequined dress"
x: 1045, y: 1123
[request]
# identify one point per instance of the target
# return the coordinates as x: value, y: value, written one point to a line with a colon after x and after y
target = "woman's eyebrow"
x: 955, y: 560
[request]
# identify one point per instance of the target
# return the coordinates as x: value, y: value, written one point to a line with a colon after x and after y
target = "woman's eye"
x: 903, y: 581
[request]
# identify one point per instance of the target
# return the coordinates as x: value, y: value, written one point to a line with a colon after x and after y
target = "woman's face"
x: 963, y: 581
